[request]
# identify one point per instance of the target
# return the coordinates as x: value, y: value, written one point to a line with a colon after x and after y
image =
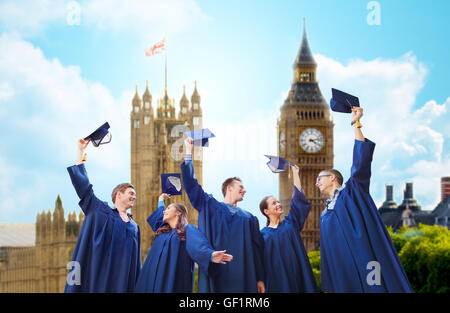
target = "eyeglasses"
x: 320, y: 176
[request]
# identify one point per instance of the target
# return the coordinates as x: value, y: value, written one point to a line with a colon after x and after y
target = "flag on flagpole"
x: 156, y: 48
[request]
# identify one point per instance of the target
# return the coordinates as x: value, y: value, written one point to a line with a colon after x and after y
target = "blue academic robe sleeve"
x: 362, y: 160
x: 80, y: 181
x: 300, y: 209
x: 258, y: 249
x: 194, y: 190
x: 199, y: 248
x: 155, y: 220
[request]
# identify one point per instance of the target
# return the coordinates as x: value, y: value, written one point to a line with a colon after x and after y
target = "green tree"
x: 424, y: 252
x: 314, y: 259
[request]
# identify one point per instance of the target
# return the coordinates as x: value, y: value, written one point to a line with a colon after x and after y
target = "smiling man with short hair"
x: 108, y: 245
x: 356, y: 251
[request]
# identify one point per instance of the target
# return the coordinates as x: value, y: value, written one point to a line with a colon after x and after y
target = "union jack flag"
x: 156, y: 48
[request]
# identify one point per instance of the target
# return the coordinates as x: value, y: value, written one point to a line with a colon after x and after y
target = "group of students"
x: 232, y: 253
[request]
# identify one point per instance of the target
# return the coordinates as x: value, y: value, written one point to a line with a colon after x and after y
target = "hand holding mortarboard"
x: 163, y: 197
x: 99, y: 137
x: 344, y: 102
x: 357, y: 113
x: 201, y: 136
x: 188, y: 145
x: 82, y: 144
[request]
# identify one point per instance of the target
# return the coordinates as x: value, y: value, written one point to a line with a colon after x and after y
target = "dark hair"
x: 228, y: 182
x: 263, y: 206
x: 181, y: 225
x: 120, y: 188
x: 337, y: 174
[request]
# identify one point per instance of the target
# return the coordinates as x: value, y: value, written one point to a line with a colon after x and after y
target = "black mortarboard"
x: 200, y: 136
x: 343, y: 102
x: 277, y: 164
x: 100, y: 136
x: 171, y: 183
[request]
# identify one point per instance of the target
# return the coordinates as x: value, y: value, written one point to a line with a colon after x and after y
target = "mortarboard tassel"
x: 84, y: 158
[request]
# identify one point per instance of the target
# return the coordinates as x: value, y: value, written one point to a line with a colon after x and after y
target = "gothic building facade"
x: 156, y: 148
x: 40, y: 264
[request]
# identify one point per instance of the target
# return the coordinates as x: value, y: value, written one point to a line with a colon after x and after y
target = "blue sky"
x: 59, y: 81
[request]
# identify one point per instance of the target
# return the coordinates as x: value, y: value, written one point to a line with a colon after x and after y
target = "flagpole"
x: 165, y: 76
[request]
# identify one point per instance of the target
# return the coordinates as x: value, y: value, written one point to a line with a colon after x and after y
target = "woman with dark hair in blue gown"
x: 285, y: 259
x: 169, y: 266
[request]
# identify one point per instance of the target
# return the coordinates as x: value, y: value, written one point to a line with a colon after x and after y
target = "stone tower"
x: 305, y: 137
x: 156, y: 148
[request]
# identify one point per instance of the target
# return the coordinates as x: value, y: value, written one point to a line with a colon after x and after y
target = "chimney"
x: 389, y: 192
x: 445, y: 187
x: 408, y: 193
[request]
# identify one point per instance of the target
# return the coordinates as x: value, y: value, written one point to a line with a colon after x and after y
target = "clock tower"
x: 305, y: 137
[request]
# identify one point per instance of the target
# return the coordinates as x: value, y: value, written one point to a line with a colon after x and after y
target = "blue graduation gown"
x: 169, y: 266
x: 353, y: 234
x: 238, y: 233
x: 107, y: 249
x: 285, y: 260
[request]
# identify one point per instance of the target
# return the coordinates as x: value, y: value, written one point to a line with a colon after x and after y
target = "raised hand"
x: 163, y: 196
x: 221, y: 257
x: 188, y: 145
x: 82, y: 144
x: 357, y: 113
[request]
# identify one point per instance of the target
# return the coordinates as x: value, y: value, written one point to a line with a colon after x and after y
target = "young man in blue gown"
x: 227, y: 227
x: 357, y: 254
x: 107, y: 255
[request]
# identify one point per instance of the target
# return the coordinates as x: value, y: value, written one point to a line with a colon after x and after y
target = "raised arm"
x: 80, y: 182
x: 155, y: 220
x: 300, y: 207
x: 194, y: 190
x: 362, y: 154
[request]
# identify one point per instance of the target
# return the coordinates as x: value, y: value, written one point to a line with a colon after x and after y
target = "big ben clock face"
x: 311, y: 140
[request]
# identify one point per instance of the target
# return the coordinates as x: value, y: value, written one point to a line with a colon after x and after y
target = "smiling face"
x: 274, y: 207
x: 326, y: 182
x: 127, y: 198
x: 236, y: 191
x: 171, y: 215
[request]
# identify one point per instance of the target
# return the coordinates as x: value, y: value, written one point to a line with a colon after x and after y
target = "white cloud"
x: 53, y: 106
x: 148, y: 18
x: 409, y: 142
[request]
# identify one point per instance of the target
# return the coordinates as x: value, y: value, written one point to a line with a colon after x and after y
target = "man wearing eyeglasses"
x: 357, y: 254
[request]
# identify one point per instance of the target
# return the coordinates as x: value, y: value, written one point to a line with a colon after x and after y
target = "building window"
x: 195, y: 105
x: 146, y: 120
x: 197, y: 120
x: 304, y: 77
x: 147, y: 105
x: 136, y: 109
x: 136, y: 124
